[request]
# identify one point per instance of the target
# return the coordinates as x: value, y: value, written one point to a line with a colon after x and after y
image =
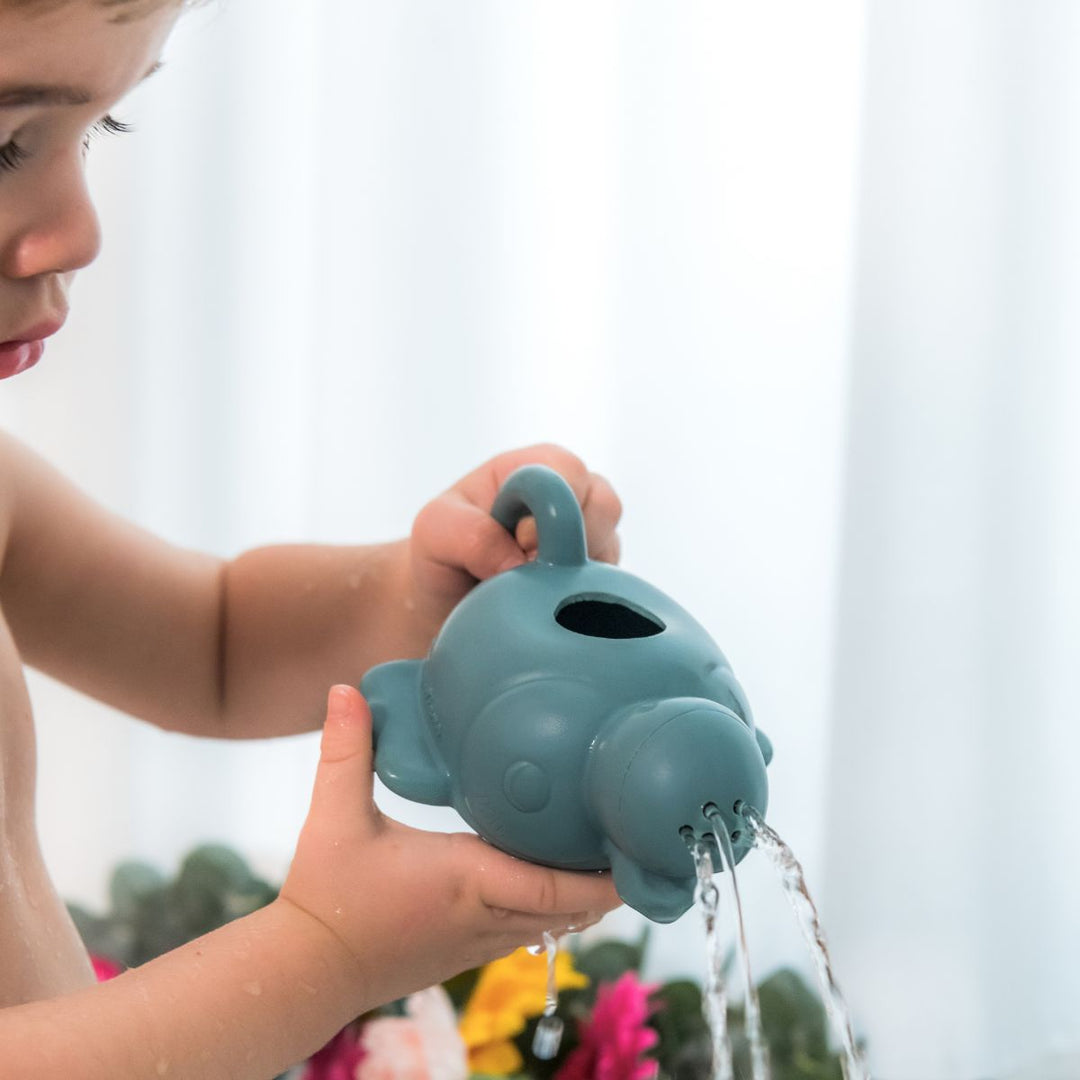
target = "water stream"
x: 710, y: 852
x: 794, y: 882
x: 707, y: 897
x: 549, y: 1028
x: 759, y: 1053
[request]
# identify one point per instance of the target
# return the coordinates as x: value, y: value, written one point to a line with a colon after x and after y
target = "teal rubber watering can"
x: 574, y: 715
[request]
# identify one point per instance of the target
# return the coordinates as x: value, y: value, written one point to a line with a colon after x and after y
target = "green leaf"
x: 215, y: 886
x: 680, y: 1023
x: 130, y: 884
x: 818, y: 1070
x: 218, y: 866
x: 606, y: 961
x: 690, y: 1061
x: 793, y: 1019
x: 460, y: 987
x: 158, y: 927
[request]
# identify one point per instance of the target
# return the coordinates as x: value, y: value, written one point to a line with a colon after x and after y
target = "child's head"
x: 63, y: 65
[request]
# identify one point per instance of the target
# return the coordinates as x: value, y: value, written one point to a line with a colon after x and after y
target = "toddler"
x: 370, y: 910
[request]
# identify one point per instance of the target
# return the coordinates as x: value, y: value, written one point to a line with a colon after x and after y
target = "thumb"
x: 344, y: 780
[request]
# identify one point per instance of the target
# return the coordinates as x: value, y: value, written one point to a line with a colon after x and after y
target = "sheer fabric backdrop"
x: 355, y: 249
x: 953, y: 803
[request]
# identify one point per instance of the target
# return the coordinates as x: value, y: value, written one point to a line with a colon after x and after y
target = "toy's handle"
x: 543, y: 493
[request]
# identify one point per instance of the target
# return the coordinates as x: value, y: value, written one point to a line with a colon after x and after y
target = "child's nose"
x: 58, y: 231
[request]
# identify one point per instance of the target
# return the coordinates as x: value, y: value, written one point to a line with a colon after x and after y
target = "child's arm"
x: 371, y: 911
x: 244, y: 648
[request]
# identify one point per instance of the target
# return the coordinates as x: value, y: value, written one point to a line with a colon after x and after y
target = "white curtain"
x: 951, y: 872
x: 795, y: 277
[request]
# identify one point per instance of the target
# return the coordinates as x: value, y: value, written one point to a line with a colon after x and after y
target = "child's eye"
x: 12, y: 155
x: 107, y: 125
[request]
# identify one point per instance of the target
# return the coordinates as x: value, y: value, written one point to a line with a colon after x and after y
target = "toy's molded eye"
x: 527, y: 786
x: 602, y: 616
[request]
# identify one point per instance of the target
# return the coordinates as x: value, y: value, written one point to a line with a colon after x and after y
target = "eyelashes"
x: 107, y: 125
x: 12, y: 155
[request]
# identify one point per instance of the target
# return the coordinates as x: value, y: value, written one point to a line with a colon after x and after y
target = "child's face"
x: 60, y: 72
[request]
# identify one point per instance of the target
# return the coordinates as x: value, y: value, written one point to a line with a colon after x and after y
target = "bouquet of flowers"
x: 480, y: 1023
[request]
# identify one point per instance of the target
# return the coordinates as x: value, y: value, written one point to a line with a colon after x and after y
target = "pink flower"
x: 393, y: 1050
x: 339, y: 1059
x: 425, y: 1045
x: 616, y: 1036
x: 104, y: 968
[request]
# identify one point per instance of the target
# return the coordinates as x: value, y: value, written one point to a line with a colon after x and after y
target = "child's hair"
x: 125, y: 10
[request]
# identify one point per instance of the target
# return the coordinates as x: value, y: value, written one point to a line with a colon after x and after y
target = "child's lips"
x: 24, y: 352
x: 17, y: 356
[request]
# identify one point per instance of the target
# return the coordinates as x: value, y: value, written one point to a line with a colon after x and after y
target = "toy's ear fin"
x: 659, y: 898
x: 405, y: 758
x: 765, y: 743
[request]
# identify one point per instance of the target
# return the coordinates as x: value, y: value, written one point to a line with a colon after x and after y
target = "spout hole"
x: 736, y: 836
x: 710, y: 808
x: 738, y: 807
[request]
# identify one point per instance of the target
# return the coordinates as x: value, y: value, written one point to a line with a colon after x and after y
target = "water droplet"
x: 547, y: 1038
x: 254, y: 988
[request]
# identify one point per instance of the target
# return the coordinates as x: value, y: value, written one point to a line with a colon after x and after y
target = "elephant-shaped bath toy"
x: 574, y: 715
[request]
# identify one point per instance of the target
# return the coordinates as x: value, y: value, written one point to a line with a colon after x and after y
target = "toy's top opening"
x: 601, y: 616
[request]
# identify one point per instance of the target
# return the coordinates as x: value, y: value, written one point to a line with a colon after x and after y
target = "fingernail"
x: 338, y: 705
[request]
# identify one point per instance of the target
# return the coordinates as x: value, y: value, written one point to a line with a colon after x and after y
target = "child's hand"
x: 456, y: 542
x: 412, y: 907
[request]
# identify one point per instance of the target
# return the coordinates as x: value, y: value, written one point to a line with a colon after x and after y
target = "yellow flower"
x: 509, y: 992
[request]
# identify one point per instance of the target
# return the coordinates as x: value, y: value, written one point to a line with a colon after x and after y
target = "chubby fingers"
x: 457, y: 535
x: 344, y: 779
x: 601, y: 509
x: 541, y: 897
x: 456, y: 530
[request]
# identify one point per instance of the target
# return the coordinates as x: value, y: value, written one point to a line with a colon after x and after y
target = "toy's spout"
x: 662, y: 771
